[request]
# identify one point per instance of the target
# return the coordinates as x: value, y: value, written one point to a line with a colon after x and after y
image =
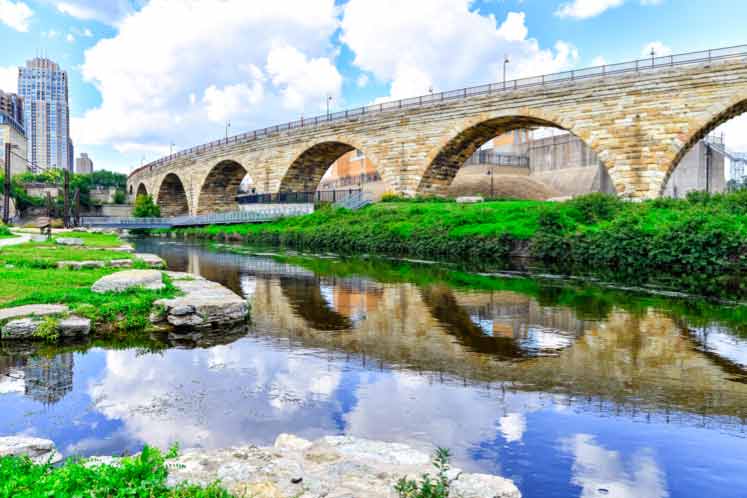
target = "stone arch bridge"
x: 639, y: 117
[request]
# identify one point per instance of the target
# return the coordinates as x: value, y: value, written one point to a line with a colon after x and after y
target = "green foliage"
x: 596, y: 207
x: 120, y: 197
x: 428, y: 487
x: 145, y: 207
x: 48, y: 330
x: 141, y: 476
x: 4, y: 231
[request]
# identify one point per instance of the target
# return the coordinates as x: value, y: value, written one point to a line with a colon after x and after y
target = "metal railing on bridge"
x: 494, y: 158
x: 253, y: 216
x: 315, y: 197
x: 547, y: 80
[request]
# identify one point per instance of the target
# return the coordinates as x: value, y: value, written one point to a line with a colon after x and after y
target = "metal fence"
x: 254, y: 216
x: 547, y: 80
x: 315, y: 197
x: 498, y: 159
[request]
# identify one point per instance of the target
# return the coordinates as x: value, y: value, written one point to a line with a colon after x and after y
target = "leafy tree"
x: 120, y: 197
x: 145, y: 207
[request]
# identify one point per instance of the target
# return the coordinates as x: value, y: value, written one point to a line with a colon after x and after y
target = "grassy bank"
x: 699, y: 243
x: 30, y: 276
x: 143, y: 475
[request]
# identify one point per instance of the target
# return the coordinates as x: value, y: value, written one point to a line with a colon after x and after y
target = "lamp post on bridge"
x: 653, y: 55
x: 505, y: 63
x: 228, y: 125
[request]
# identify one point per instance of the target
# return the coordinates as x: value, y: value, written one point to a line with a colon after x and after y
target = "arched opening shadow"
x: 172, y: 198
x: 220, y: 188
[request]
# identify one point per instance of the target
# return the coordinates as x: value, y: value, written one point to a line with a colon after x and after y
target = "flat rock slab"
x: 80, y: 265
x: 25, y: 328
x: 38, y: 450
x: 68, y: 241
x: 121, y: 263
x: 469, y: 199
x: 332, y: 467
x: 129, y: 279
x: 151, y: 260
x: 74, y: 326
x: 32, y: 310
x: 203, y: 304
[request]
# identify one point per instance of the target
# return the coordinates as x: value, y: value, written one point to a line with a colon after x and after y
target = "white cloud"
x: 735, y: 133
x: 362, y: 80
x: 598, y: 61
x: 108, y: 12
x: 162, y: 82
x: 443, y: 44
x: 9, y: 79
x: 87, y: 33
x: 659, y: 49
x: 70, y: 38
x: 584, y: 9
x: 15, y: 15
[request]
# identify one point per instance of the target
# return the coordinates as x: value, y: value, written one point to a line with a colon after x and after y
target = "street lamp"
x: 653, y: 54
x: 228, y: 125
x: 490, y: 173
x: 171, y: 148
x: 329, y: 99
x: 505, y: 63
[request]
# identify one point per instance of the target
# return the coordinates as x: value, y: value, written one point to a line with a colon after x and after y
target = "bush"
x: 596, y: 207
x: 4, y: 230
x: 145, y: 207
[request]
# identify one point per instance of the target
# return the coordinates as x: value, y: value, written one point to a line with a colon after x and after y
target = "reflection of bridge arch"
x: 306, y: 300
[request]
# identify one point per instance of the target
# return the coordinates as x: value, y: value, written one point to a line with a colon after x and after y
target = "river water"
x: 568, y: 389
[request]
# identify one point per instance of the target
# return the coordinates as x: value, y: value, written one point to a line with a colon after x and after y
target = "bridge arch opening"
x: 713, y: 158
x: 141, y: 190
x: 172, y: 197
x: 333, y: 166
x: 514, y: 157
x: 220, y: 188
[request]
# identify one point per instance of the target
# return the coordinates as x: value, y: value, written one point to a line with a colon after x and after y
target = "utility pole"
x: 66, y: 205
x: 6, y: 185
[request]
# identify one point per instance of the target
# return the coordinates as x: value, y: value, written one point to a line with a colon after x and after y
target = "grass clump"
x: 429, y: 486
x: 142, y: 476
x: 48, y: 329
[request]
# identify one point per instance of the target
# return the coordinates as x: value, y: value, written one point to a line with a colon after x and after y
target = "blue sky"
x: 146, y: 74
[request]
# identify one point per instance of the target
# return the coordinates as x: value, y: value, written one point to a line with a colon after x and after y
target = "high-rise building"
x: 46, y: 115
x: 83, y: 165
x: 12, y: 131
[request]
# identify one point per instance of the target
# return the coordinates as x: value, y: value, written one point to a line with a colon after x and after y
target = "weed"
x: 428, y: 487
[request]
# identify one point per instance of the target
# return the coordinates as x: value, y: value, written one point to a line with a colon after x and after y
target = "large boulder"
x: 32, y: 310
x: 80, y: 265
x: 21, y: 328
x: 129, y: 279
x: 74, y: 326
x: 68, y: 241
x: 38, y: 450
x: 203, y: 304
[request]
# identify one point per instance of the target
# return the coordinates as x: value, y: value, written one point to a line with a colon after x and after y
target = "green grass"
x: 30, y: 276
x: 93, y: 239
x: 700, y: 242
x: 141, y: 476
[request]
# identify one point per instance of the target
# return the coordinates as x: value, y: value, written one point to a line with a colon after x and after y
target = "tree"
x: 145, y: 207
x: 120, y: 197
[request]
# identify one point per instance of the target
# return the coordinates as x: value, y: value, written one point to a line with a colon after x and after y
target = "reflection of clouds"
x: 512, y: 427
x: 601, y: 472
x: 248, y: 286
x: 544, y: 339
x: 211, y: 398
x: 723, y: 343
x: 13, y: 382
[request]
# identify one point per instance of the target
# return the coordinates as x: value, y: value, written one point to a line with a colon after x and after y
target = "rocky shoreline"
x: 329, y: 467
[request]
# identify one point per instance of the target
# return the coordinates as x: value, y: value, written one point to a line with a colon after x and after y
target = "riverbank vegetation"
x: 30, y: 276
x: 699, y: 242
x: 143, y: 475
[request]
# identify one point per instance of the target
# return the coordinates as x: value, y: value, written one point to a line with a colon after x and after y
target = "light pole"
x: 653, y: 54
x: 228, y: 125
x: 171, y: 148
x: 505, y: 63
x: 329, y: 99
x: 490, y: 173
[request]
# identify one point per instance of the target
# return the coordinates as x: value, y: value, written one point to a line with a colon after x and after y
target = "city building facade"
x: 84, y: 164
x: 12, y: 131
x: 46, y: 115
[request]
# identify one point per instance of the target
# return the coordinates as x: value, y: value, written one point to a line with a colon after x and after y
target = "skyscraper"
x: 46, y: 116
x: 12, y: 131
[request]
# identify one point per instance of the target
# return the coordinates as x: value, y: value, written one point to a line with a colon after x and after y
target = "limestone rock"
x: 482, y: 486
x: 291, y: 442
x: 129, y: 279
x: 151, y: 260
x: 32, y: 309
x: 21, y: 328
x: 120, y: 263
x: 38, y: 238
x: 37, y: 449
x: 80, y: 265
x: 68, y: 241
x: 469, y: 199
x: 203, y: 304
x: 74, y: 326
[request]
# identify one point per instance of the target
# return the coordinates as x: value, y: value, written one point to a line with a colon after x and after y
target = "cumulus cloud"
x: 15, y: 15
x: 108, y: 12
x: 584, y: 9
x: 161, y: 82
x: 9, y: 79
x: 70, y: 38
x: 442, y: 44
x: 658, y: 47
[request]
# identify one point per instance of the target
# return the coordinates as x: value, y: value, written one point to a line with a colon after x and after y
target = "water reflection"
x: 567, y: 393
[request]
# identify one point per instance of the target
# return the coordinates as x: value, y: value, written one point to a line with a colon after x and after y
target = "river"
x: 570, y: 390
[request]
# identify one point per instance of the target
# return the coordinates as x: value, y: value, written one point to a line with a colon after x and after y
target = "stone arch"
x: 220, y: 188
x: 141, y: 190
x: 715, y: 116
x: 463, y: 139
x: 131, y: 190
x: 171, y: 196
x: 312, y: 160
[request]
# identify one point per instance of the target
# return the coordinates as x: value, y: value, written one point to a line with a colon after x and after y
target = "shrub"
x: 596, y: 207
x: 145, y: 207
x: 428, y: 487
x: 4, y: 230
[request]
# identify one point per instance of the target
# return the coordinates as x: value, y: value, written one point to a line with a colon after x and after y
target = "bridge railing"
x: 546, y: 80
x: 498, y: 159
x: 315, y: 197
x: 260, y: 215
